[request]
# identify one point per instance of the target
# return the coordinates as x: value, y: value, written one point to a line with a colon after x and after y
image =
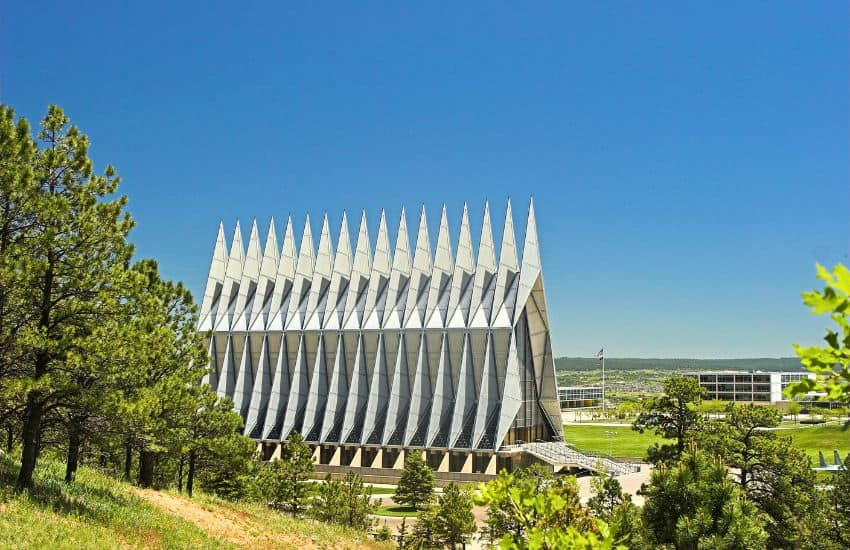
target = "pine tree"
x: 214, y: 448
x: 416, y: 485
x: 454, y: 521
x: 673, y: 415
x: 775, y: 475
x: 281, y: 482
x: 17, y: 188
x: 694, y: 504
x: 75, y: 259
x: 344, y: 502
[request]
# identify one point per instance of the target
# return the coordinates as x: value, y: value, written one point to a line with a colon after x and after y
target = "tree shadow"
x: 50, y: 492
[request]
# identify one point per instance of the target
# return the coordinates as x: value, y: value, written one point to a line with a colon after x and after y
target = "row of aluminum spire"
x: 373, y: 298
x: 377, y: 347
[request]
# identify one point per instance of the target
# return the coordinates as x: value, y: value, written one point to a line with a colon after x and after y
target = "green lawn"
x: 382, y: 490
x: 821, y: 438
x: 624, y: 441
x: 396, y: 511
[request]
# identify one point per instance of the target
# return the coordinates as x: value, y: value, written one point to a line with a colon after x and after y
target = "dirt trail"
x: 223, y: 524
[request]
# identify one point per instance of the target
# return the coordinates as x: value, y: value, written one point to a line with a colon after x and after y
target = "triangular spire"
x: 360, y: 271
x: 399, y: 401
x: 339, y: 280
x: 322, y: 272
x: 399, y: 278
x: 303, y: 277
x: 284, y: 280
x: 505, y: 279
x: 338, y: 389
x: 530, y: 269
x: 268, y: 273
x: 484, y: 286
x: 248, y: 283
x: 438, y: 297
x: 215, y: 280
x: 461, y: 293
x: 379, y: 277
x: 417, y: 296
x: 232, y: 278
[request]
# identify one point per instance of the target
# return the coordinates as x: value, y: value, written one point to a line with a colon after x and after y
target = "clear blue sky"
x: 689, y: 164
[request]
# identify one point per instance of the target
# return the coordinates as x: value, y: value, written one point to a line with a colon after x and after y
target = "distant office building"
x: 750, y: 387
x: 580, y: 397
x: 371, y: 353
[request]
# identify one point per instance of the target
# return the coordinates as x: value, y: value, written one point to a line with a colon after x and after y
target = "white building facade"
x: 371, y: 352
x: 752, y: 387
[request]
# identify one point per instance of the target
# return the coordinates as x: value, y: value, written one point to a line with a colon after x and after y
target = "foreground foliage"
x: 530, y: 509
x: 831, y: 363
x: 694, y: 504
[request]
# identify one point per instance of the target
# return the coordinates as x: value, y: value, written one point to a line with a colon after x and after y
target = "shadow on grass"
x: 93, y: 500
x: 396, y: 511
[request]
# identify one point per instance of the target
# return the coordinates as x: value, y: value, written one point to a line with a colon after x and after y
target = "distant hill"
x: 614, y: 364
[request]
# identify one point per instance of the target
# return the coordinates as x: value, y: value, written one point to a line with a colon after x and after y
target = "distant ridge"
x: 624, y: 363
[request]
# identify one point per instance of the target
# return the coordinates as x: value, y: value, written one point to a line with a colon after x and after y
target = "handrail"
x: 557, y: 452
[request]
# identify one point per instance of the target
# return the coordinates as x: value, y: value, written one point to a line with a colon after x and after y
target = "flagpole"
x: 604, y: 408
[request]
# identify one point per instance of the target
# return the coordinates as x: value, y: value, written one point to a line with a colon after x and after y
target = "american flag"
x: 600, y: 353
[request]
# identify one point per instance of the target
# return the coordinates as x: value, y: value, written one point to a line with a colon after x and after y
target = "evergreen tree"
x: 416, y: 485
x: 837, y: 508
x: 454, y: 521
x: 160, y: 395
x: 607, y: 496
x: 281, y: 482
x: 673, y: 415
x: 775, y: 475
x: 694, y: 504
x: 347, y: 502
x: 214, y: 448
x: 75, y: 257
x: 425, y: 535
x: 17, y: 222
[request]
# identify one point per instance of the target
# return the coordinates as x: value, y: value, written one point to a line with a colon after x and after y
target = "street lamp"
x: 610, y: 434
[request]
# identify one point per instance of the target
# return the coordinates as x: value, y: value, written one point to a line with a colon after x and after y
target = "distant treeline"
x: 625, y: 363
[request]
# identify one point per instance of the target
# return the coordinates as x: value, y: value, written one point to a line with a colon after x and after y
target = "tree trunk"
x: 190, y: 477
x: 30, y: 437
x: 73, y: 452
x: 128, y: 460
x: 146, y: 463
x: 10, y: 438
x: 180, y: 475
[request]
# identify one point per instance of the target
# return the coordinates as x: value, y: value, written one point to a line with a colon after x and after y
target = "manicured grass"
x: 624, y: 442
x: 824, y: 437
x: 628, y: 443
x: 396, y: 511
x: 382, y: 490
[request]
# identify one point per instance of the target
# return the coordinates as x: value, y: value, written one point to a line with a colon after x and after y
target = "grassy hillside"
x: 99, y: 512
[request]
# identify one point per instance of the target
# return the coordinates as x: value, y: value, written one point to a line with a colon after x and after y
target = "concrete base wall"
x: 390, y: 476
x: 376, y: 463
